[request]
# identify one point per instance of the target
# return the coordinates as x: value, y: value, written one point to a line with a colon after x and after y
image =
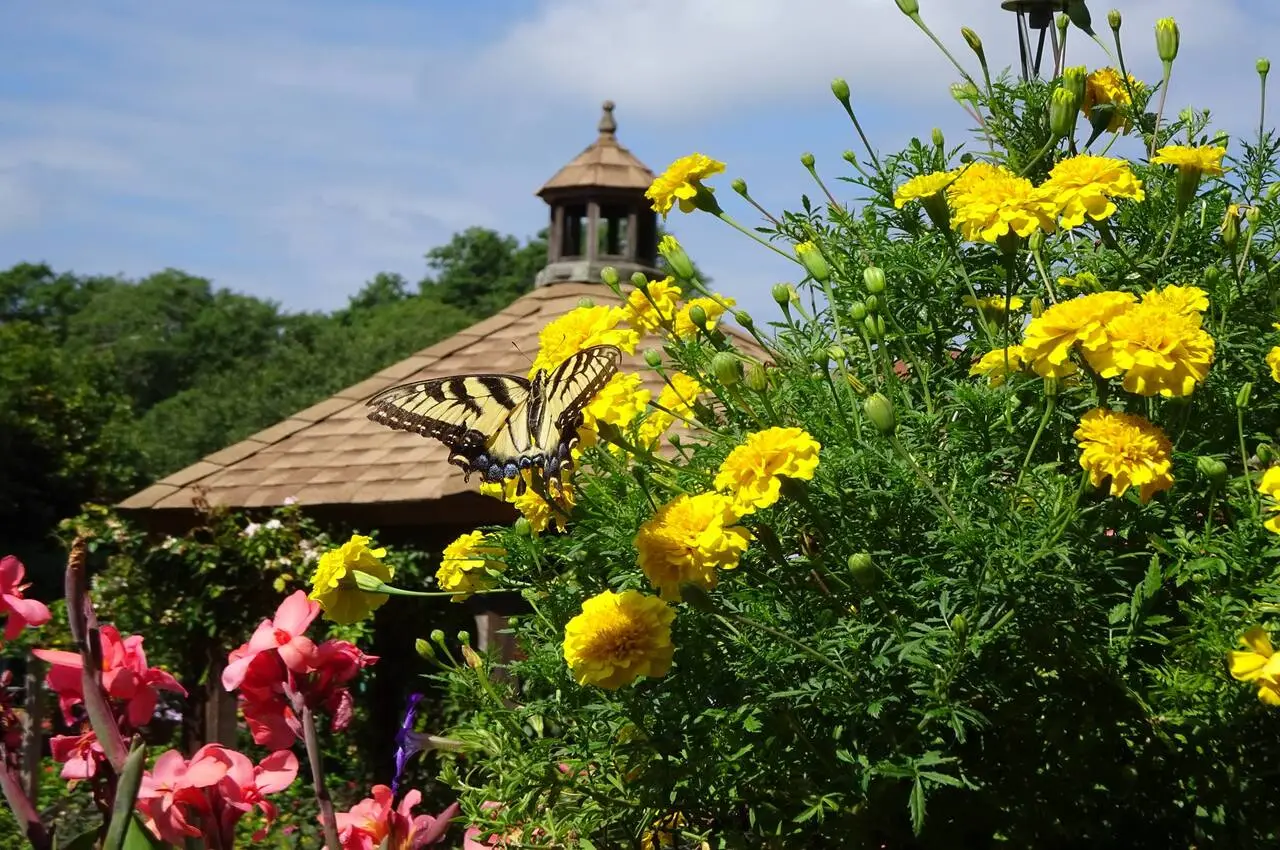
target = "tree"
x: 483, y: 271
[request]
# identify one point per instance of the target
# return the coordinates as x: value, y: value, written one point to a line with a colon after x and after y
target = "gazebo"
x: 341, y: 468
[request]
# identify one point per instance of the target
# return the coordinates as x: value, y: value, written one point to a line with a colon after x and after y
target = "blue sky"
x: 293, y: 149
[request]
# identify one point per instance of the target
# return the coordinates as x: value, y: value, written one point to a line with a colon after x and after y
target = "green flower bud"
x: 586, y: 303
x: 727, y: 368
x: 782, y: 294
x: 880, y: 411
x: 807, y: 160
x: 874, y: 303
x: 1220, y: 139
x: 966, y: 158
x: 858, y: 310
x: 1242, y: 397
x: 959, y: 627
x: 653, y: 357
x: 1113, y: 19
x: 677, y: 260
x: 756, y: 379
x: 850, y: 157
x: 695, y: 596
x: 1063, y: 21
x: 813, y: 261
x: 640, y: 281
x: 698, y: 316
x: 965, y: 92
x: 1100, y: 117
x: 1063, y: 110
x: 1273, y: 191
x: 909, y: 7
x: 521, y: 527
x: 743, y: 318
x: 609, y: 276
x: 873, y: 330
x: 1051, y: 387
x: 840, y: 88
x: 1230, y: 227
x: 424, y: 649
x: 1252, y: 214
x: 1266, y: 453
x: 1167, y: 39
x: 464, y: 638
x: 739, y: 185
x: 939, y: 140
x: 1264, y: 67
x: 863, y: 569
x: 873, y: 279
x: 836, y: 352
x: 437, y: 637
x: 971, y: 38
x: 1037, y: 307
x: 1213, y: 470
x: 1075, y: 80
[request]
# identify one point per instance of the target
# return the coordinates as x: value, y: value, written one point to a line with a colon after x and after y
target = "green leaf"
x: 83, y: 841
x: 917, y: 806
x: 122, y: 818
x: 140, y: 838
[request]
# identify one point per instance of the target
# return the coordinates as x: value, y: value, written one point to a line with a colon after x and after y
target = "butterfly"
x: 501, y: 425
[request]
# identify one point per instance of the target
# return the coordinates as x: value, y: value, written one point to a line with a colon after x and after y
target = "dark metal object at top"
x: 1035, y: 15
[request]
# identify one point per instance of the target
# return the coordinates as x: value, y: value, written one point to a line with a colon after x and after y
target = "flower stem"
x: 925, y: 479
x: 729, y: 220
x: 786, y: 638
x: 1255, y: 499
x: 1164, y: 93
x: 328, y: 821
x: 1049, y: 405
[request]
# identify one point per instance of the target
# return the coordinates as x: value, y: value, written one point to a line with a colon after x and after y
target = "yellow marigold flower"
x: 464, y: 565
x: 678, y: 397
x: 999, y: 364
x: 619, y: 402
x: 681, y: 182
x: 990, y: 201
x: 665, y: 833
x: 1273, y: 360
x: 1159, y: 349
x: 334, y: 586
x: 1081, y: 280
x: 650, y: 313
x: 1086, y: 185
x: 1269, y: 487
x: 687, y: 540
x: 1205, y: 160
x: 752, y: 473
x: 618, y: 638
x: 1258, y: 663
x: 1127, y: 449
x: 582, y: 328
x: 992, y: 305
x: 1048, y: 340
x: 1106, y: 85
x: 1191, y: 300
x: 684, y: 327
x: 922, y: 187
x: 531, y: 506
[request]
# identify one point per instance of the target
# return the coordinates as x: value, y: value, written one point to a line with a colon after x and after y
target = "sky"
x: 292, y: 149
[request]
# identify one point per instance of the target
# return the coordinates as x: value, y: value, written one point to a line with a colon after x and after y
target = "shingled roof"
x: 604, y: 164
x: 331, y: 455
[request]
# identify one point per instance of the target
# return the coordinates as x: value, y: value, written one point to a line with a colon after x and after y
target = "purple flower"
x: 407, y: 743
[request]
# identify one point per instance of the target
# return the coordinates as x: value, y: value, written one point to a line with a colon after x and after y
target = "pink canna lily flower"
x: 125, y: 676
x: 171, y: 789
x: 21, y: 612
x: 374, y: 823
x: 79, y: 754
x: 244, y: 785
x: 284, y: 634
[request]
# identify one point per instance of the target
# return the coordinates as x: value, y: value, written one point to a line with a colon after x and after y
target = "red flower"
x: 373, y: 821
x: 284, y: 635
x: 170, y: 792
x: 22, y: 612
x: 245, y: 785
x: 79, y: 755
x: 125, y: 676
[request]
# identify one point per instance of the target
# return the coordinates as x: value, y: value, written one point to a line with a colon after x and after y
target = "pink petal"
x: 160, y: 680
x: 296, y: 613
x: 59, y: 658
x: 11, y: 571
x: 264, y: 637
x: 277, y: 772
x: 142, y: 707
x: 233, y: 674
x: 298, y: 654
x: 35, y: 612
x: 432, y: 830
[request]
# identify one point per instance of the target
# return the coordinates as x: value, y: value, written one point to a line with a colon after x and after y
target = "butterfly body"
x: 500, y: 425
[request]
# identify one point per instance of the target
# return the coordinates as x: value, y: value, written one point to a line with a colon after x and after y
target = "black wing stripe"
x: 497, y: 390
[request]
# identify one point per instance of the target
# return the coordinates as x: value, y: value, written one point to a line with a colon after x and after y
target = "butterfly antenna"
x: 517, y: 347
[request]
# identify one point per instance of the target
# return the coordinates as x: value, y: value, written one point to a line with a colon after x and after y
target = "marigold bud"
x: 965, y: 92
x: 807, y: 160
x: 698, y: 315
x: 470, y: 656
x: 971, y: 38
x: 609, y: 276
x: 863, y: 569
x: 1075, y: 80
x: 1062, y: 113
x: 1167, y: 39
x: 1037, y: 307
x: 521, y: 527
x: 939, y: 140
x: 850, y: 157
x: 959, y: 626
x: 782, y: 294
x: 756, y: 379
x: 727, y: 368
x: 653, y: 357
x: 840, y: 88
x: 874, y: 326
x: 586, y: 303
x: 677, y: 260
x: 836, y: 352
x: 858, y: 310
x: 437, y: 637
x: 1266, y: 453
x: 874, y: 303
x: 813, y: 261
x: 1264, y: 66
x: 743, y: 318
x: 1113, y: 19
x: 1230, y: 227
x: 880, y: 411
x: 873, y: 279
x: 463, y: 637
x: 1242, y: 397
x: 1213, y: 470
x: 423, y: 648
x: 739, y: 185
x: 1063, y: 21
x: 1252, y: 214
x: 1220, y: 139
x: 909, y: 7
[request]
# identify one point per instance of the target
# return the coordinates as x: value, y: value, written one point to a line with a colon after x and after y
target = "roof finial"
x: 608, y: 126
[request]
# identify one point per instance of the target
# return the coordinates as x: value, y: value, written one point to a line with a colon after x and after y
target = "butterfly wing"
x: 480, y: 418
x: 558, y: 398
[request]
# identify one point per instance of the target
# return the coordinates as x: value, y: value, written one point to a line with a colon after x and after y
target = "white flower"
x: 250, y: 529
x: 290, y: 500
x: 272, y: 524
